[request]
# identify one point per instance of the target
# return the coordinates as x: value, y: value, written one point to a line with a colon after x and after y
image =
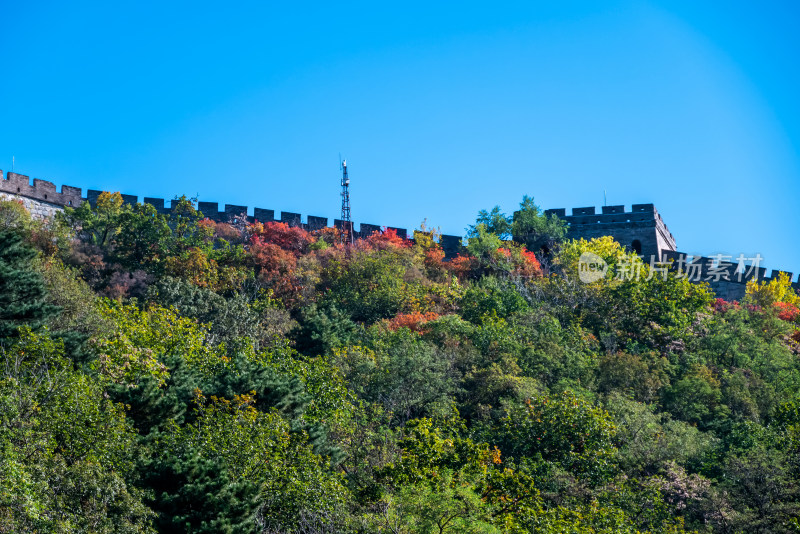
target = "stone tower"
x: 641, y: 230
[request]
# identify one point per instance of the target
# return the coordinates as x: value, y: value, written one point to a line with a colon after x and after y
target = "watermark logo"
x: 718, y: 268
x: 591, y: 267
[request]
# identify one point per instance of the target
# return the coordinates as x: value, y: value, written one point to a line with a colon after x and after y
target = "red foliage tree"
x: 463, y: 266
x: 291, y: 238
x: 722, y: 305
x: 275, y: 268
x: 413, y: 321
x: 787, y: 312
x: 528, y: 266
x: 387, y: 239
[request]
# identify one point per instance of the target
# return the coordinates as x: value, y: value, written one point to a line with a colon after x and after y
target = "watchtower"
x: 641, y: 230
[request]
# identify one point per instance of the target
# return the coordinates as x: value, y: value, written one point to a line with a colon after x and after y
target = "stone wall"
x: 44, y: 200
x: 641, y: 229
x: 727, y: 279
x: 19, y: 184
x: 37, y: 208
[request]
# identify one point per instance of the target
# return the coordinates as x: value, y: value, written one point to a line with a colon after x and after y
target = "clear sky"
x: 440, y: 108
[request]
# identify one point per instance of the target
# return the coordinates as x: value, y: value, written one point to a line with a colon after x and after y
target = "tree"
x: 777, y: 290
x: 605, y: 247
x: 22, y: 289
x: 696, y: 398
x: 246, y: 469
x: 142, y: 239
x: 495, y: 222
x: 534, y: 229
x: 194, y: 494
x: 97, y: 225
x: 562, y: 429
x: 765, y: 495
x: 65, y: 450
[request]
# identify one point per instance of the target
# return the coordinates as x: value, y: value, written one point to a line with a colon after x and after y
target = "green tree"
x: 765, y: 495
x: 66, y: 451
x: 97, y: 225
x: 564, y: 430
x: 255, y: 449
x: 534, y: 229
x: 23, y: 294
x: 198, y: 495
x: 142, y: 239
x: 696, y: 398
x: 494, y: 222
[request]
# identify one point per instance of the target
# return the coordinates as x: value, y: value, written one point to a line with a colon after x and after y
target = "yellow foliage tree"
x: 772, y: 292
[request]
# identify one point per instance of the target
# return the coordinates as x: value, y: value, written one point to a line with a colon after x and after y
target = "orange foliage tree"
x: 291, y: 238
x: 413, y: 321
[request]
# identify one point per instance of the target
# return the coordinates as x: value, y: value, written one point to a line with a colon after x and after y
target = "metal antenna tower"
x: 347, y: 223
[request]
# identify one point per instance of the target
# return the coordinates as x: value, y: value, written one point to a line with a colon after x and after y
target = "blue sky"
x: 440, y: 108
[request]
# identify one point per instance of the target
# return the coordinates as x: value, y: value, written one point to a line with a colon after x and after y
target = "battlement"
x: 641, y: 229
x: 212, y: 211
x: 44, y: 191
x: 705, y: 267
x: 727, y: 279
x: 41, y: 190
x: 641, y: 215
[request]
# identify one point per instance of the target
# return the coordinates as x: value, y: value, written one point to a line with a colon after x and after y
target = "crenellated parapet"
x: 728, y: 278
x: 19, y: 185
x: 641, y: 229
x: 41, y: 190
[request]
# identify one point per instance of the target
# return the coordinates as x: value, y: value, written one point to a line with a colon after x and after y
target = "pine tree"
x: 22, y: 289
x: 197, y: 495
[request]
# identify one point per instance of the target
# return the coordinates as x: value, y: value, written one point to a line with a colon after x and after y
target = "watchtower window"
x: 637, y: 246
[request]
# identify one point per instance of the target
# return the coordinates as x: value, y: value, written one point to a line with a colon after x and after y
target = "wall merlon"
x: 157, y: 203
x: 317, y: 223
x: 18, y: 179
x: 643, y: 208
x: 264, y: 215
x: 367, y: 230
x: 292, y: 219
x: 613, y: 209
x: 209, y: 209
x: 451, y: 245
x: 583, y: 211
x: 71, y: 191
x: 558, y: 212
x: 44, y: 185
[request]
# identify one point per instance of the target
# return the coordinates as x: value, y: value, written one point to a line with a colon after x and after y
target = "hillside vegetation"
x: 166, y: 373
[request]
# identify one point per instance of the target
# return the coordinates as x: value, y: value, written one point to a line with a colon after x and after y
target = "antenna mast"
x: 347, y: 223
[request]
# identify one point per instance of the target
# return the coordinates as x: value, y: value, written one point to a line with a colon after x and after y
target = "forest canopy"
x: 170, y: 373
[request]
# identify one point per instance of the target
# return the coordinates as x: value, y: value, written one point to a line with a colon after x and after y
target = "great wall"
x: 641, y: 230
